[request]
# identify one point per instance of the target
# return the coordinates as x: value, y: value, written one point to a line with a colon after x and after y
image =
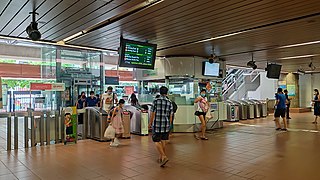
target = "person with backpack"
x: 175, y: 108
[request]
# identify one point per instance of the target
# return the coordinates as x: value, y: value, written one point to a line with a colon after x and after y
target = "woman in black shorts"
x: 201, y: 112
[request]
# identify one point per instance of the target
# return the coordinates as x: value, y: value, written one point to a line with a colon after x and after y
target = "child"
x: 69, y: 128
x: 116, y: 123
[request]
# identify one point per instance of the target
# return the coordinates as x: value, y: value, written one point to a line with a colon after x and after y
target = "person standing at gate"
x: 92, y: 101
x: 108, y: 99
x: 288, y: 104
x: 280, y: 110
x: 160, y: 120
x: 80, y: 105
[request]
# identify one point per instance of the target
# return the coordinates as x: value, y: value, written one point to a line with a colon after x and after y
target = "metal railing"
x: 33, y: 128
x: 36, y: 128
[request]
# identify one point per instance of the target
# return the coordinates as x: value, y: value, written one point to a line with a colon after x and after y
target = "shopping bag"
x: 110, y: 132
x: 209, y: 114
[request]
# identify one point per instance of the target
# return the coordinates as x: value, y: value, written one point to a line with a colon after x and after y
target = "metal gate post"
x: 56, y: 122
x: 7, y: 116
x: 26, y: 132
x: 48, y: 120
x: 41, y: 124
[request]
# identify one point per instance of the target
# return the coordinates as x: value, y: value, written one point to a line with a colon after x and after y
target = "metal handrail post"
x: 48, y: 120
x: 8, y: 133
x: 33, y: 131
x: 41, y: 129
x: 8, y: 117
x: 56, y: 122
x: 15, y: 132
x: 85, y: 124
x: 26, y: 132
x: 62, y: 126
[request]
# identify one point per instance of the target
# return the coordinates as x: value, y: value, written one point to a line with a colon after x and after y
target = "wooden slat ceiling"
x: 176, y: 26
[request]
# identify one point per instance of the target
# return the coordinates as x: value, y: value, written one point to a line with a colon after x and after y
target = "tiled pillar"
x: 293, y: 81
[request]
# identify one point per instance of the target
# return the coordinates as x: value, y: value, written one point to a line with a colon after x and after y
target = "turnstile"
x: 232, y: 111
x: 250, y: 109
x: 126, y: 124
x: 95, y: 123
x: 243, y: 110
x: 257, y: 108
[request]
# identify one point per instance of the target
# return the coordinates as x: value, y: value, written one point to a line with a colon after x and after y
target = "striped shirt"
x: 163, y: 108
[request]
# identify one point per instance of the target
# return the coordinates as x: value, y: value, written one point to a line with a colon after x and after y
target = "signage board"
x: 40, y: 86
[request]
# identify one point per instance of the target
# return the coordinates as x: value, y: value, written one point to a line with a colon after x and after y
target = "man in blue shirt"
x: 280, y: 110
x: 92, y: 101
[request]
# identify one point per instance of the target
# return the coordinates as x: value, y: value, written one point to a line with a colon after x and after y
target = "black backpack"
x: 174, y: 106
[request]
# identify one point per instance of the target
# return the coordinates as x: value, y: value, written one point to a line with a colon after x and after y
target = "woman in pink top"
x: 201, y: 112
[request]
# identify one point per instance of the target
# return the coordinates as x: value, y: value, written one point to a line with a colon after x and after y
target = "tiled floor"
x: 246, y: 150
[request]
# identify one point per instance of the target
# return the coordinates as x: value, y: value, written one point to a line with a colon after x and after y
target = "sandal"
x: 197, y: 137
x: 204, y: 138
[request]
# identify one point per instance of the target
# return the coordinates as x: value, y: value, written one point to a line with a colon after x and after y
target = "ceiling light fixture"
x: 299, y: 57
x: 299, y: 44
x: 142, y: 6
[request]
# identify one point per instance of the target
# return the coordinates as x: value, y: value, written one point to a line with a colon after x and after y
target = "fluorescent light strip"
x: 298, y: 57
x: 299, y: 44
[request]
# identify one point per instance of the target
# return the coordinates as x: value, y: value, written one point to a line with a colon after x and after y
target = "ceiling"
x: 238, y: 28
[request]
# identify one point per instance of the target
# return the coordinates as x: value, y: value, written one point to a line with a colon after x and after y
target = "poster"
x: 73, y: 112
x: 129, y: 90
x: 291, y: 90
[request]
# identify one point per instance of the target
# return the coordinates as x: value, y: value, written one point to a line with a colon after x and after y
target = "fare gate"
x: 47, y: 127
x: 37, y: 127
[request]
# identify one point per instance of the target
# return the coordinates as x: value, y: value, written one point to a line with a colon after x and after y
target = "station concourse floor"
x: 249, y: 149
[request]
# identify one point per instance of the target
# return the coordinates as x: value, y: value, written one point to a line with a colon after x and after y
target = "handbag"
x: 110, y: 132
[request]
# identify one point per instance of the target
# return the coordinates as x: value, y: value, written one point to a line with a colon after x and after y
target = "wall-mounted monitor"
x: 210, y: 69
x: 134, y: 54
x: 273, y: 71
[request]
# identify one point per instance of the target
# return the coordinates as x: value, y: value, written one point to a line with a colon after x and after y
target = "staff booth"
x: 185, y: 77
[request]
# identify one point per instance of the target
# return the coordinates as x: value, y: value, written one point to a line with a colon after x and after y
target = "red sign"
x: 40, y: 86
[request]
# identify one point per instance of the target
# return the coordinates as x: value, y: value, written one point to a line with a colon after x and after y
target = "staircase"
x: 238, y: 82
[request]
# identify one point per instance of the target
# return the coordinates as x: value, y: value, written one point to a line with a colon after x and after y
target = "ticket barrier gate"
x: 38, y: 127
x: 95, y: 123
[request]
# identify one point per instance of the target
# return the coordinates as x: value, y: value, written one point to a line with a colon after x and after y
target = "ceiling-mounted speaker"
x: 32, y: 29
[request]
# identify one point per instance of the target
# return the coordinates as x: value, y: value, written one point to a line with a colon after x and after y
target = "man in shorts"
x: 280, y: 110
x: 160, y: 120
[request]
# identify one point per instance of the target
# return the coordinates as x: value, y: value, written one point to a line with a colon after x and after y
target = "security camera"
x: 32, y: 29
x: 33, y: 32
x: 213, y: 58
x: 252, y: 65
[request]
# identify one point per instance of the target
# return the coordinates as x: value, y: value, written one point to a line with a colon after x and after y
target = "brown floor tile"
x: 238, y: 151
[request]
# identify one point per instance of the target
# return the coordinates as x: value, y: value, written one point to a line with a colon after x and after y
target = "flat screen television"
x: 273, y: 71
x: 134, y: 54
x: 210, y: 69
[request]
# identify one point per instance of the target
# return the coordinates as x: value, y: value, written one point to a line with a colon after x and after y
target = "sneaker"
x: 284, y: 129
x: 116, y: 141
x: 113, y: 144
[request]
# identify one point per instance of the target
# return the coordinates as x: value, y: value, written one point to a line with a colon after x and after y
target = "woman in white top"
x: 201, y: 112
